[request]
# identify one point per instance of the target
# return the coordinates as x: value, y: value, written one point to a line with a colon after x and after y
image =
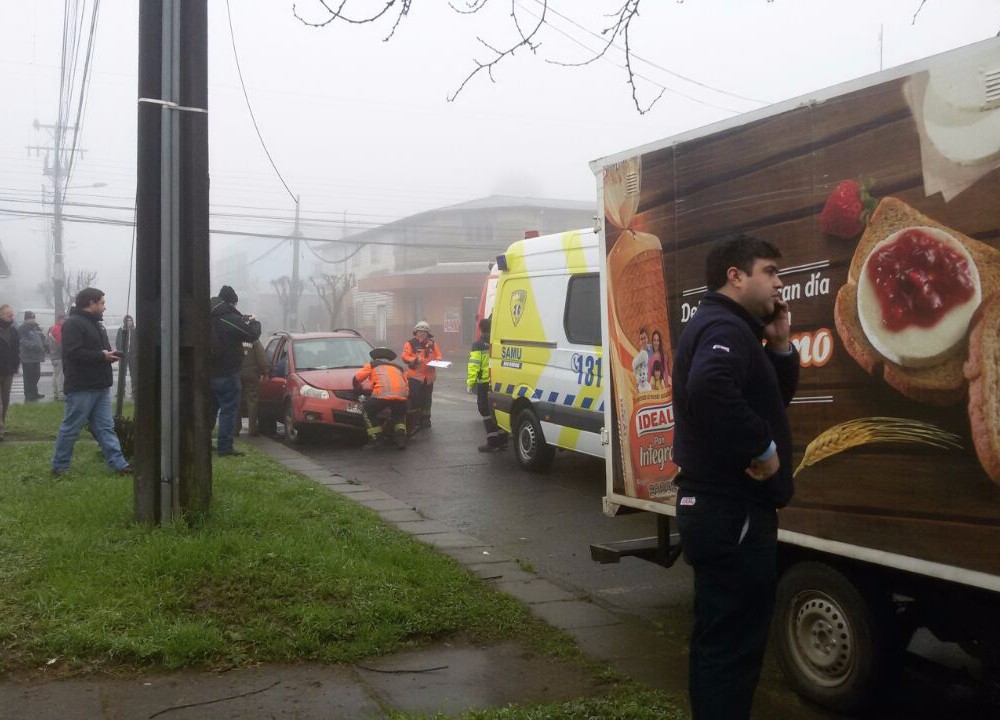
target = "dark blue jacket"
x: 730, y: 396
x: 229, y: 331
x: 84, y: 341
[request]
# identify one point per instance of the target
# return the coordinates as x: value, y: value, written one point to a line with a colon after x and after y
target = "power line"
x: 84, y: 93
x: 650, y: 62
x: 350, y: 240
x: 253, y: 119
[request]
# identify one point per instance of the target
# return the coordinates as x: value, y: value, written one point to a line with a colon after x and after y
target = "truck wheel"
x: 530, y: 448
x: 830, y: 641
x: 294, y: 434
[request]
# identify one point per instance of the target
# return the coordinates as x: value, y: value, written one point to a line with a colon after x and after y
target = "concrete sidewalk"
x: 448, y: 678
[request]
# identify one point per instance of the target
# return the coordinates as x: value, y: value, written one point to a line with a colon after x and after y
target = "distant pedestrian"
x: 10, y: 360
x: 87, y: 361
x: 230, y: 329
x: 254, y: 365
x: 32, y: 354
x: 479, y: 382
x: 55, y: 352
x: 417, y: 352
x: 125, y: 343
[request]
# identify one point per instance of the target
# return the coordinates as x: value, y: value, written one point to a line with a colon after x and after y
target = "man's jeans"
x: 225, y: 405
x: 93, y: 406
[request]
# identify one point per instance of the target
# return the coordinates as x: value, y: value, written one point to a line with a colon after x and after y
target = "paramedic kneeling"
x: 389, y: 390
x: 733, y: 444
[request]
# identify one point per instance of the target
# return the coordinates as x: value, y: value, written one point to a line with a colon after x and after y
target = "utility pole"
x: 55, y: 169
x: 173, y: 463
x: 294, y: 292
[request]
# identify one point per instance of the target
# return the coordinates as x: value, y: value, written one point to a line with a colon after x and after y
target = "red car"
x: 309, y: 384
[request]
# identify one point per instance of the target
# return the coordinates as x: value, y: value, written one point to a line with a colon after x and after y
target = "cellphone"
x: 778, y: 308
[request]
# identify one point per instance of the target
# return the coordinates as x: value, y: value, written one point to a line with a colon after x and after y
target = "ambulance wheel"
x: 832, y: 641
x: 530, y: 448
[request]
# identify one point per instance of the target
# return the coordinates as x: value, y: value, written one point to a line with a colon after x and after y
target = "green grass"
x: 281, y: 570
x: 34, y: 421
x: 627, y: 703
x: 40, y: 420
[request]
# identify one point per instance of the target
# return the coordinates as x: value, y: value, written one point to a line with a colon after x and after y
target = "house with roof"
x: 432, y: 266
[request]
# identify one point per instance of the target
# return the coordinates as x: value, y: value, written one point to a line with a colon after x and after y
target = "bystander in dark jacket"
x: 230, y: 329
x: 33, y: 350
x: 10, y: 361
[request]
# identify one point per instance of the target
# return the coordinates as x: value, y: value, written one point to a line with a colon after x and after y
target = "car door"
x: 272, y: 385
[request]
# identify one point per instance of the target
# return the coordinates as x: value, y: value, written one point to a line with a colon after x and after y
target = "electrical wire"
x: 677, y: 75
x: 84, y: 94
x: 350, y: 240
x: 253, y: 119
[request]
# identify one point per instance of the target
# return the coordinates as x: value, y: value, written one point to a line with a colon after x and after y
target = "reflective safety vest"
x: 387, y: 381
x: 416, y: 354
x: 479, y: 363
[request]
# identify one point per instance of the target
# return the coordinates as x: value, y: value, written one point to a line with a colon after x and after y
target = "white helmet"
x: 422, y: 325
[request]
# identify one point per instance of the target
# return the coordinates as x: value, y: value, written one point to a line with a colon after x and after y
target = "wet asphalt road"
x: 549, y: 521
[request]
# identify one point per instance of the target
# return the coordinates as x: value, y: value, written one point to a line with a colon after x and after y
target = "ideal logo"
x: 654, y: 418
x: 517, y: 300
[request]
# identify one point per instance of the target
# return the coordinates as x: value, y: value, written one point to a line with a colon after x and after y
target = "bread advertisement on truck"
x: 883, y: 196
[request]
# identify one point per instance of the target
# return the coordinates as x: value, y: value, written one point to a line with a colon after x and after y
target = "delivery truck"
x: 883, y: 195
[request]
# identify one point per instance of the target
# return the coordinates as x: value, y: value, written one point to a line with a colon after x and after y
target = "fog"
x: 362, y: 131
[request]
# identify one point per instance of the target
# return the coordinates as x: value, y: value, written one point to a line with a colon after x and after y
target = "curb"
x: 621, y: 641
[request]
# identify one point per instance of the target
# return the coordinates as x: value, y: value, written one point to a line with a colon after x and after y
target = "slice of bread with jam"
x: 937, y: 379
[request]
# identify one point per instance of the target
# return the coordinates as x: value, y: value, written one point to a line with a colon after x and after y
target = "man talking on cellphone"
x: 87, y: 360
x: 735, y: 372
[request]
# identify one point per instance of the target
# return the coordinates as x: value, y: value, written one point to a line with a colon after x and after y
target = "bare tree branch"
x: 288, y: 296
x: 338, y: 14
x: 525, y: 41
x: 617, y: 29
x: 331, y: 289
x: 919, y: 8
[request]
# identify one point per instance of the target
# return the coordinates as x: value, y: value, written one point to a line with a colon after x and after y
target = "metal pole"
x: 293, y: 292
x: 58, y: 268
x: 169, y: 267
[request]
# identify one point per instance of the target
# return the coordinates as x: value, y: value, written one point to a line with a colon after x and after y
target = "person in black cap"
x: 230, y: 329
x: 33, y: 351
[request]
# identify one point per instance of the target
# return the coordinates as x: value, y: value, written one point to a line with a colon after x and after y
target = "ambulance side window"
x: 582, y: 320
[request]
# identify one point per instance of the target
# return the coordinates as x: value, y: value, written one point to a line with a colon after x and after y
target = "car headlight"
x: 310, y: 392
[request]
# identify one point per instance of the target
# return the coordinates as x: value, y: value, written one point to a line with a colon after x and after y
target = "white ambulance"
x: 545, y: 353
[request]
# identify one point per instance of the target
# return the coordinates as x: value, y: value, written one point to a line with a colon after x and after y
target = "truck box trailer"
x: 883, y: 195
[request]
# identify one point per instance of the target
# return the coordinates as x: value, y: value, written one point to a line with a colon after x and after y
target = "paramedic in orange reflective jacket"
x: 417, y: 352
x: 389, y: 390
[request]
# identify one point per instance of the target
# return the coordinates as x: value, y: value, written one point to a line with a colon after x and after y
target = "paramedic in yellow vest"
x: 478, y: 382
x: 417, y: 352
x: 389, y: 390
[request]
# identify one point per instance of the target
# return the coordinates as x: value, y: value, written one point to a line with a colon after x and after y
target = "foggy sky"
x: 361, y: 128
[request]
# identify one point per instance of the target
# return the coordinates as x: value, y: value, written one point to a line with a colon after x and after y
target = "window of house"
x: 582, y: 319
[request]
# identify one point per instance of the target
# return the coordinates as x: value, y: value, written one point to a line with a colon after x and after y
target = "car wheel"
x: 294, y: 434
x: 530, y: 448
x: 832, y: 642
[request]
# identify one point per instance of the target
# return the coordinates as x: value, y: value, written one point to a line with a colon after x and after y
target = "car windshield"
x: 328, y: 353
